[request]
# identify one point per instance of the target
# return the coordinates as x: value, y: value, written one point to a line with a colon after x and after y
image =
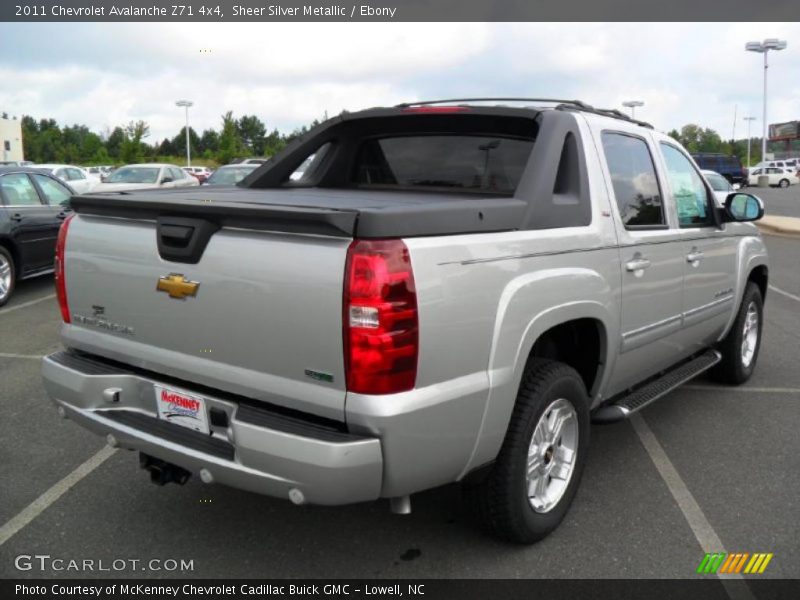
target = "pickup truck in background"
x: 449, y: 292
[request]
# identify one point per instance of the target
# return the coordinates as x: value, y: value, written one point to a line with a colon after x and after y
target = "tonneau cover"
x: 325, y: 211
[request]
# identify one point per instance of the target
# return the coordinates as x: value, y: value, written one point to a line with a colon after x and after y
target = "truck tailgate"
x: 265, y: 320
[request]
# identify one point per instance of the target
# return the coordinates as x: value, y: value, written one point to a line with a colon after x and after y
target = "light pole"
x: 632, y: 104
x: 764, y: 48
x: 749, y: 120
x: 186, y: 104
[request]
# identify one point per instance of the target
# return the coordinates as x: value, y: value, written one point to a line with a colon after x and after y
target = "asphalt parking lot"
x: 736, y: 452
x: 780, y: 202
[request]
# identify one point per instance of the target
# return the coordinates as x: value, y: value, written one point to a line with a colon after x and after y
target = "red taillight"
x: 61, y: 283
x: 381, y: 332
x: 436, y: 109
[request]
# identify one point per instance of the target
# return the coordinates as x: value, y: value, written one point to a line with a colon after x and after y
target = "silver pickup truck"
x: 404, y: 298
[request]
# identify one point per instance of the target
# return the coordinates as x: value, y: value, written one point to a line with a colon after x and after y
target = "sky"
x: 107, y: 74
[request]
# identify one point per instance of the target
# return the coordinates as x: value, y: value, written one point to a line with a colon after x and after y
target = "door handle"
x: 694, y: 256
x: 61, y: 215
x: 16, y: 217
x: 637, y: 264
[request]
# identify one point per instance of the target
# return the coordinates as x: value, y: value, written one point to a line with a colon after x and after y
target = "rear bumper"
x: 259, y: 450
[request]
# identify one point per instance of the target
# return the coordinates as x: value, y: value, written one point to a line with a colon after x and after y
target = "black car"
x: 33, y: 204
x: 729, y: 166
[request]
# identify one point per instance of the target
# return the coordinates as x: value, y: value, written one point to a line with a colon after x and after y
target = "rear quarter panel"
x: 483, y: 301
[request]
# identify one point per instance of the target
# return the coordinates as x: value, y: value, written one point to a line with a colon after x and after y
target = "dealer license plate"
x: 180, y: 408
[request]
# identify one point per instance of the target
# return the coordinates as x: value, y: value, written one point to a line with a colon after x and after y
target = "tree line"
x: 698, y: 139
x: 44, y: 141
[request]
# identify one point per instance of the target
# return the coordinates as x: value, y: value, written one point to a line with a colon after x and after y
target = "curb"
x: 787, y: 226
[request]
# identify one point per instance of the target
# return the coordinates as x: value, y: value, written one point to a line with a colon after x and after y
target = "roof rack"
x: 560, y: 105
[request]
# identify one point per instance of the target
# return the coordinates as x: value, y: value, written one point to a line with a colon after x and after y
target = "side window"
x: 75, y: 174
x: 18, y: 190
x: 178, y: 174
x: 688, y: 188
x: 55, y: 192
x: 633, y: 177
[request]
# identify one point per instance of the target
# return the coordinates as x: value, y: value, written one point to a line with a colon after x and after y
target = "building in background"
x: 784, y: 140
x: 10, y: 139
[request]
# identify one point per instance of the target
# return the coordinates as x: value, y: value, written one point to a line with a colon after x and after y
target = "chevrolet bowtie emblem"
x: 177, y: 286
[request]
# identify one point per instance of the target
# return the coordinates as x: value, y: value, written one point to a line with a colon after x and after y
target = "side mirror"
x: 741, y: 207
x: 166, y: 180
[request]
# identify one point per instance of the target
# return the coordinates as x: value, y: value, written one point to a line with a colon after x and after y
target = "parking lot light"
x: 632, y: 104
x: 186, y: 104
x: 764, y: 48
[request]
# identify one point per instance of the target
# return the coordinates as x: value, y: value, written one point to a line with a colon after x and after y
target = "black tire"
x: 784, y: 183
x: 8, y: 259
x: 501, y: 500
x: 732, y: 368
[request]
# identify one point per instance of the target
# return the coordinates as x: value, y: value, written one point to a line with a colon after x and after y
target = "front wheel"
x: 534, y: 479
x: 784, y: 183
x: 740, y: 347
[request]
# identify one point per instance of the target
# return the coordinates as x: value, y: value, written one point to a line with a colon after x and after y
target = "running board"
x: 641, y: 397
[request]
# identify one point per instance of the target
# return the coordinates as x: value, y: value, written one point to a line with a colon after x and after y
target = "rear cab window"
x: 633, y: 178
x: 487, y: 164
x: 455, y: 153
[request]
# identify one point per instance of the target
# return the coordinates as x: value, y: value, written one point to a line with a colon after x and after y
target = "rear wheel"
x: 784, y: 183
x: 7, y: 275
x: 534, y: 479
x: 740, y: 347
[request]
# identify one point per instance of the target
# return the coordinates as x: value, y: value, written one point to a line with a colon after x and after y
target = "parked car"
x: 231, y: 174
x: 77, y: 178
x: 249, y: 161
x: 729, y: 166
x: 778, y: 176
x: 146, y: 176
x: 721, y: 187
x: 448, y: 294
x: 15, y: 163
x: 33, y: 204
x: 96, y: 172
x: 200, y: 173
x: 786, y: 163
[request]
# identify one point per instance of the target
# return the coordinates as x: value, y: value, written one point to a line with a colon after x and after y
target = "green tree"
x: 230, y: 145
x: 251, y: 130
x: 114, y: 143
x: 209, y: 141
x: 178, y: 143
x: 133, y: 150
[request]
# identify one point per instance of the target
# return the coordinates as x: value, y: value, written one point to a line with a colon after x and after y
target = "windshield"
x: 134, y: 175
x: 230, y: 176
x: 718, y: 182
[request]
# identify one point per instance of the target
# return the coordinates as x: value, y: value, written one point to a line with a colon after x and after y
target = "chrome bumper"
x: 259, y: 450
